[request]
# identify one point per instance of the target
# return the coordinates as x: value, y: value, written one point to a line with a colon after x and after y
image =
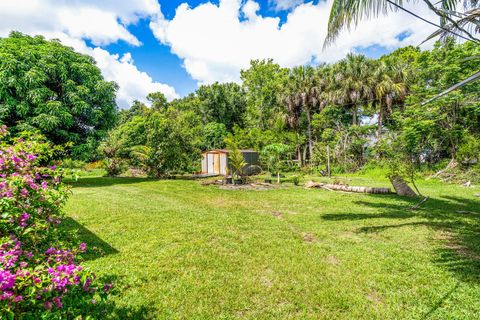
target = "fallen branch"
x: 415, y: 207
x: 339, y: 187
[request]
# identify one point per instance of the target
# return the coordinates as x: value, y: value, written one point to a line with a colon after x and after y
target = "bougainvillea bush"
x: 40, y: 277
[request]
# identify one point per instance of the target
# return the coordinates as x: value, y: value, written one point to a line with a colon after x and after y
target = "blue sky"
x: 173, y: 46
x: 157, y: 60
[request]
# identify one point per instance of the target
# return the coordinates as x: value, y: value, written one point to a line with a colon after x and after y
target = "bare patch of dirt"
x: 266, y: 282
x: 350, y: 236
x: 252, y: 186
x: 452, y: 243
x: 375, y: 297
x: 277, y: 214
x: 333, y: 260
x: 308, y: 237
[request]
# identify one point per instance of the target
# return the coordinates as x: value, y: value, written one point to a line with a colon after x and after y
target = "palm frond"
x: 348, y: 13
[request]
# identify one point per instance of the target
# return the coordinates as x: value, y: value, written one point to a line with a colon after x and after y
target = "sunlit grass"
x: 179, y: 250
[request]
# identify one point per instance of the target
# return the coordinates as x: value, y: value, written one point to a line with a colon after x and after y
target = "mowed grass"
x: 180, y: 250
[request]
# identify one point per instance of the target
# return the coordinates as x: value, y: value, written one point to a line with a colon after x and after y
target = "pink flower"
x: 7, y: 280
x: 58, y: 302
x: 47, y: 305
x: 23, y: 219
x: 107, y: 287
x: 82, y: 247
x: 6, y: 295
x: 17, y: 299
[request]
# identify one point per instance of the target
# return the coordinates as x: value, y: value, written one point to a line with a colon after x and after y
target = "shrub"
x: 94, y: 165
x: 39, y: 272
x: 73, y: 164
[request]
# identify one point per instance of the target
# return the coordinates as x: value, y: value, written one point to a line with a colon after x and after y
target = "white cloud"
x: 101, y: 22
x: 135, y: 84
x: 216, y: 41
x: 281, y: 5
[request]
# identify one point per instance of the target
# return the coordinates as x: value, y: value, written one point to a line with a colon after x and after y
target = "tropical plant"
x: 353, y: 84
x: 453, y: 22
x: 390, y: 88
x: 235, y: 158
x: 273, y: 155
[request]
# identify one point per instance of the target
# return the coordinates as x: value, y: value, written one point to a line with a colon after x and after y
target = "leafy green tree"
x: 111, y: 147
x: 449, y: 117
x: 47, y: 86
x: 222, y: 103
x: 136, y: 109
x: 158, y: 100
x: 262, y: 81
x: 272, y: 155
x: 214, y: 135
x: 173, y: 140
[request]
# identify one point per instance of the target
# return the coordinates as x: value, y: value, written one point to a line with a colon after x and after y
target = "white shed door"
x: 210, y: 159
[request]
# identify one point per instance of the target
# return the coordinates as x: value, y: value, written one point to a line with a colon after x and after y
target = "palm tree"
x: 463, y: 24
x: 303, y: 95
x: 390, y: 88
x: 353, y: 78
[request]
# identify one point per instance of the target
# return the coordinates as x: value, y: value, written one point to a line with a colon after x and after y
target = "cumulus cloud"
x: 101, y: 22
x: 281, y: 5
x: 216, y: 41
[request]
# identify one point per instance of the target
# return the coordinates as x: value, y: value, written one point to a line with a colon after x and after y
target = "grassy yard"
x: 179, y: 250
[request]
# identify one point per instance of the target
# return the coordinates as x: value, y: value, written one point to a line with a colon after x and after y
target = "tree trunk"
x: 401, y: 187
x: 299, y: 155
x: 278, y: 177
x: 310, y: 140
x: 354, y: 114
x: 380, y: 122
x: 328, y: 161
x: 305, y: 148
x: 346, y: 188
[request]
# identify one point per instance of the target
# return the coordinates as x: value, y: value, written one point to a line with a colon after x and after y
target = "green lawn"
x: 179, y: 250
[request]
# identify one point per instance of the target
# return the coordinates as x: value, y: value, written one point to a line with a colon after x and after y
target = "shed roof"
x: 228, y: 151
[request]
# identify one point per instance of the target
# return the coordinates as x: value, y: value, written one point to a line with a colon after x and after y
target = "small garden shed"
x: 216, y: 161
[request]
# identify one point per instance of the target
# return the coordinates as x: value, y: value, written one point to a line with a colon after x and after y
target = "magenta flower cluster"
x: 36, y: 277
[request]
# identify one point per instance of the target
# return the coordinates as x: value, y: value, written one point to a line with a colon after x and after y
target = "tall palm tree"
x: 390, y: 88
x: 354, y: 83
x: 303, y: 95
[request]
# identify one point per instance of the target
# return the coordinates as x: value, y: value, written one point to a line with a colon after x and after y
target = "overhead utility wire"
x: 429, y: 22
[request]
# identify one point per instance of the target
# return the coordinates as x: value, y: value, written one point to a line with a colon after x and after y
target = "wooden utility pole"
x: 328, y: 160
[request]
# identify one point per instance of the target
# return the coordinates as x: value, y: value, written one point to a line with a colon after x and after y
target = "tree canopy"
x: 49, y: 87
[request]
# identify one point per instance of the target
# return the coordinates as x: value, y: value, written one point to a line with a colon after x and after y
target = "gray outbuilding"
x: 216, y: 161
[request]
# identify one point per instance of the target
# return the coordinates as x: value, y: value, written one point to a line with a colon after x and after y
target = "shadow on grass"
x: 92, y: 182
x: 457, y: 218
x: 96, y: 246
x: 107, y: 309
x: 95, y: 182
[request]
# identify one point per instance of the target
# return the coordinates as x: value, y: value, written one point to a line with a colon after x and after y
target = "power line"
x: 456, y: 86
x: 427, y: 21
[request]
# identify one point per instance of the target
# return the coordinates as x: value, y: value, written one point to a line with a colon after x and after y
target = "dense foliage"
x: 49, y: 87
x: 39, y: 272
x: 361, y: 110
